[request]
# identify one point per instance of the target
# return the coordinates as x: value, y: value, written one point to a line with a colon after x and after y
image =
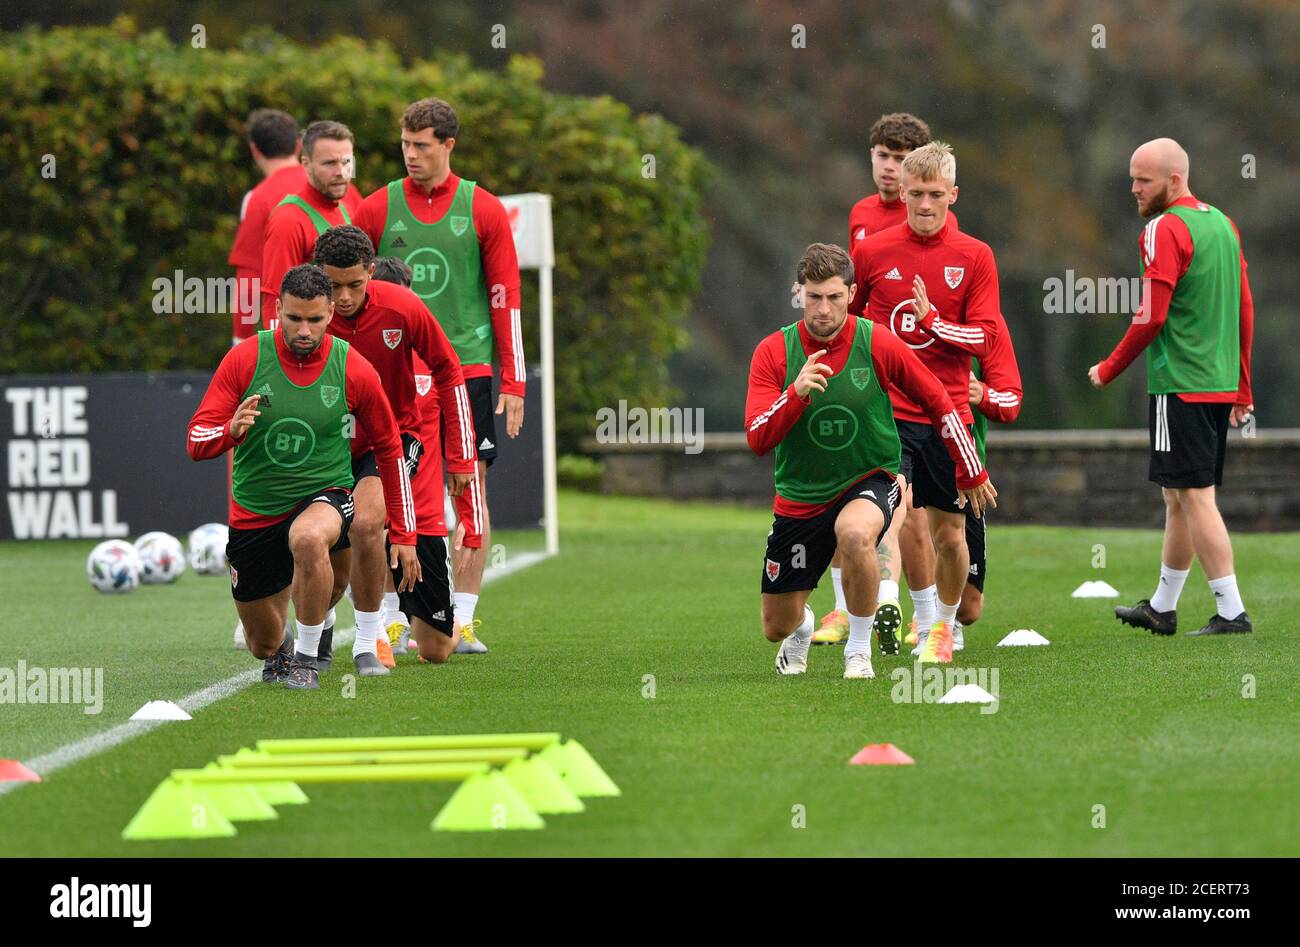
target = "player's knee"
x: 309, y: 542
x: 776, y: 628
x: 950, y: 539
x: 971, y: 607
x: 261, y: 649
x: 366, y: 529
x: 857, y: 537
x: 435, y: 655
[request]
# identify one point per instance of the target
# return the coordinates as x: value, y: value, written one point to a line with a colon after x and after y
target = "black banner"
x: 103, y: 457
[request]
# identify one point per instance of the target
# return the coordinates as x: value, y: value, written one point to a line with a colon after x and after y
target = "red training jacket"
x: 961, y: 282
x: 389, y: 329
x: 291, y: 240
x: 209, y: 430
x: 496, y: 245
x: 1000, y: 379
x: 772, y: 407
x: 250, y: 238
x: 429, y: 486
x: 1166, y: 253
x: 874, y: 214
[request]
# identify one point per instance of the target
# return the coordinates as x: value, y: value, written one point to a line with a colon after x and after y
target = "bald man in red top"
x: 326, y: 199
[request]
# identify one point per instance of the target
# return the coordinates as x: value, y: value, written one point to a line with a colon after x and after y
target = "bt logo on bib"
x: 904, y: 324
x: 289, y: 442
x: 832, y: 427
x: 429, y: 272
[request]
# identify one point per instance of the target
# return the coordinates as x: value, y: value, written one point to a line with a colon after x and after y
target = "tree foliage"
x: 150, y: 164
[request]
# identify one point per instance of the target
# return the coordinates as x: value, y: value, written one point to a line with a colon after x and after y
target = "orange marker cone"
x: 12, y: 771
x: 881, y: 754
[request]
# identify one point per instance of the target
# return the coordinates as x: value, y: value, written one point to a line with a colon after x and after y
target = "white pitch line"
x: 97, y: 743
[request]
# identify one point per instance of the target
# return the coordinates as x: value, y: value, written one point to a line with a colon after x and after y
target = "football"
x: 162, y: 558
x: 208, y: 549
x: 113, y: 566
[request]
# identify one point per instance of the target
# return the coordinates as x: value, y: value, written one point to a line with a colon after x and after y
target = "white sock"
x: 1169, y: 588
x: 923, y: 604
x: 888, y: 590
x: 805, y: 629
x: 309, y: 639
x: 859, y: 635
x: 946, y: 613
x: 465, y: 604
x: 329, y: 619
x: 837, y: 582
x: 1226, y: 596
x: 392, y: 607
x: 369, y: 624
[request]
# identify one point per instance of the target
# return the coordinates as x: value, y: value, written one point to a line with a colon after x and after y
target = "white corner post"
x: 530, y: 222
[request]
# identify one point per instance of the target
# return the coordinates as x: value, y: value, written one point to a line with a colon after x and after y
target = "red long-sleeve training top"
x: 209, y: 429
x: 291, y: 239
x: 1000, y: 379
x: 390, y: 328
x: 497, y: 254
x: 1172, y: 243
x: 772, y: 407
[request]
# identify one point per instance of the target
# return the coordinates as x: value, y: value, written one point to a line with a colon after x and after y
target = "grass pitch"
x: 726, y: 758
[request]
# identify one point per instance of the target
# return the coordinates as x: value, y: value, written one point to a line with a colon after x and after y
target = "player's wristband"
x: 412, y: 451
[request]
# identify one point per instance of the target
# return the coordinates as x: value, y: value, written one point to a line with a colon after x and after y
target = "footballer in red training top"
x: 388, y: 324
x: 837, y: 445
x: 282, y: 400
x: 326, y: 199
x: 935, y: 288
x: 273, y: 142
x: 456, y: 238
x: 893, y: 138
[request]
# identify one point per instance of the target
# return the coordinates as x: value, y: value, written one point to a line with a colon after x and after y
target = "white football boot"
x: 957, y: 641
x: 240, y: 643
x: 858, y: 666
x: 792, y: 656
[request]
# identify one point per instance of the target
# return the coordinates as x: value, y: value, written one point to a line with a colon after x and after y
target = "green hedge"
x: 151, y: 165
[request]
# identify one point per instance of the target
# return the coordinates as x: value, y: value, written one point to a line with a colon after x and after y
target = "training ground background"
x: 653, y: 598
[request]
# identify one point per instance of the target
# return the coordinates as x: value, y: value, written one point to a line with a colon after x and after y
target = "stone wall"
x: 1072, y: 478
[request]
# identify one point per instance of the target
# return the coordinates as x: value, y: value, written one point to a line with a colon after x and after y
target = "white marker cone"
x: 1022, y: 636
x: 967, y: 694
x: 160, y: 710
x: 1097, y: 589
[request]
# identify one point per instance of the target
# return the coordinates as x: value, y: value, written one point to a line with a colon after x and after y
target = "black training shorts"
x: 800, y: 549
x: 260, y: 560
